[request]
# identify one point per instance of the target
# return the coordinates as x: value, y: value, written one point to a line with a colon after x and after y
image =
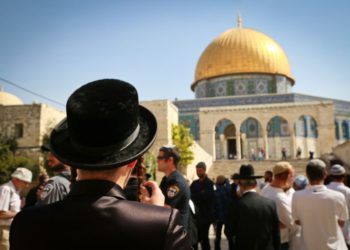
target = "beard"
x: 58, y: 168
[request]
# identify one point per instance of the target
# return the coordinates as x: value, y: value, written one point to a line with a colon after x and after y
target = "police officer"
x: 58, y: 186
x: 174, y: 186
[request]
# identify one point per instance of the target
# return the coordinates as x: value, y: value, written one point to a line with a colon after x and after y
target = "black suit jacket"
x: 95, y: 215
x: 253, y: 222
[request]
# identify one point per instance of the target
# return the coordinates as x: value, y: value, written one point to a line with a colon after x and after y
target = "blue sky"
x: 53, y: 47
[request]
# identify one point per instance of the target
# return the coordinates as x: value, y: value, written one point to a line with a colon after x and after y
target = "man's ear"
x: 132, y: 164
x: 171, y: 158
x: 325, y: 174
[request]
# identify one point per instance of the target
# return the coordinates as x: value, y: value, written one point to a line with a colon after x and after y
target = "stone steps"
x: 228, y: 167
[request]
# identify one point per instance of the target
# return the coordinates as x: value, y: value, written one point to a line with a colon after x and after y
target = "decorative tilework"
x: 221, y: 126
x: 341, y: 107
x: 345, y: 129
x: 337, y: 135
x: 261, y: 87
x: 306, y: 126
x: 251, y: 127
x: 191, y: 121
x: 277, y: 127
x: 230, y: 87
x: 246, y: 84
x: 220, y: 89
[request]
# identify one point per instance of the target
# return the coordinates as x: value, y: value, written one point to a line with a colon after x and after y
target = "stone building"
x: 27, y: 123
x: 244, y: 103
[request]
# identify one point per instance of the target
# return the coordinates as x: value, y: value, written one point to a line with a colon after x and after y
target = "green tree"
x: 9, y: 162
x: 151, y: 165
x: 183, y: 140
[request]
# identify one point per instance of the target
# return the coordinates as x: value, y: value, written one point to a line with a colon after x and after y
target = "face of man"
x: 20, y: 185
x: 267, y: 177
x: 290, y: 178
x: 162, y: 162
x: 54, y: 163
x: 200, y: 172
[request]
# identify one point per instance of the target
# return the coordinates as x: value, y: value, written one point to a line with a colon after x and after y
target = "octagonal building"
x: 244, y: 106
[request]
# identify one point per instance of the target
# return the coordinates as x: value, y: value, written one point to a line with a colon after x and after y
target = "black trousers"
x: 218, y: 230
x: 203, y: 235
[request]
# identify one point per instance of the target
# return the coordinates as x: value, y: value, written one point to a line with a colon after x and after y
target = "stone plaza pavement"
x: 224, y: 243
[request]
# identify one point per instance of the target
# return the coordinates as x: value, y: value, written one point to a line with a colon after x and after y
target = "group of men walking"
x: 313, y: 216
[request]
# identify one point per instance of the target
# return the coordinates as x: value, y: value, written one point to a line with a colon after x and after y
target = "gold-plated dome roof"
x: 9, y: 99
x: 240, y: 51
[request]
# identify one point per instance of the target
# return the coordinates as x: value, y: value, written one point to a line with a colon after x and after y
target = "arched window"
x: 306, y: 126
x: 345, y: 130
x: 278, y: 127
x: 221, y: 126
x: 337, y: 130
x: 251, y: 128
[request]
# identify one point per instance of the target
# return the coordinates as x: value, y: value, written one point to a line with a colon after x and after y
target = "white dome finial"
x: 239, y: 21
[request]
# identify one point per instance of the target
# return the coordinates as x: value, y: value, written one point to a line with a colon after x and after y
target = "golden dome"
x: 240, y: 50
x: 9, y: 99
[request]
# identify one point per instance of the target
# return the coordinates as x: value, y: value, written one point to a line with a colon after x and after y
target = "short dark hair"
x: 269, y: 173
x: 201, y: 164
x: 315, y: 170
x: 338, y: 177
x: 248, y: 183
x: 171, y: 151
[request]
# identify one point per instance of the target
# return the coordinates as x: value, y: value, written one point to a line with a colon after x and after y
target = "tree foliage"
x: 151, y: 165
x: 183, y: 140
x: 9, y: 161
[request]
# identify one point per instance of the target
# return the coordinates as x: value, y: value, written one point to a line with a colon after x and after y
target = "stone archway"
x: 279, y: 138
x: 345, y: 127
x: 306, y: 133
x: 225, y: 140
x: 252, y: 139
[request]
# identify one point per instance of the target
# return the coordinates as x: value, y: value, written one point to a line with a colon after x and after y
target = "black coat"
x: 95, y: 215
x: 202, y: 194
x: 253, y: 221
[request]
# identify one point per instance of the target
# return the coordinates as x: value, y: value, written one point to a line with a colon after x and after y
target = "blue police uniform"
x: 177, y: 194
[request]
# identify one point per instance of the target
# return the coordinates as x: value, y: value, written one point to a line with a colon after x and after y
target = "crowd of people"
x: 100, y: 196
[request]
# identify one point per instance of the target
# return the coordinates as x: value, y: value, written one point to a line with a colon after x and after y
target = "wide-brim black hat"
x: 105, y: 127
x: 246, y: 172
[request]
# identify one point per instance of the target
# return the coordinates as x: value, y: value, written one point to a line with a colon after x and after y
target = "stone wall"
x: 166, y: 114
x: 322, y: 112
x: 35, y: 119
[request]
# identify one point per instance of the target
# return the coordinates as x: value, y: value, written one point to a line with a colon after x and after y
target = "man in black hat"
x: 253, y: 221
x: 104, y: 133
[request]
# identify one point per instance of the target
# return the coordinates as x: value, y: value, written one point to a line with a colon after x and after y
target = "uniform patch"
x: 47, y: 189
x: 172, y: 191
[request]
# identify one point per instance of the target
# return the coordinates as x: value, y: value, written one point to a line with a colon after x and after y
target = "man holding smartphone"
x: 105, y: 131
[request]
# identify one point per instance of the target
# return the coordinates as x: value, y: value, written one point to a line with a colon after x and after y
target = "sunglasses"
x: 160, y: 157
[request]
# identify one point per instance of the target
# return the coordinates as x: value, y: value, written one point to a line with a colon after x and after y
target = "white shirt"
x: 295, y: 231
x: 318, y: 209
x: 9, y: 201
x: 340, y: 187
x: 284, y: 208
